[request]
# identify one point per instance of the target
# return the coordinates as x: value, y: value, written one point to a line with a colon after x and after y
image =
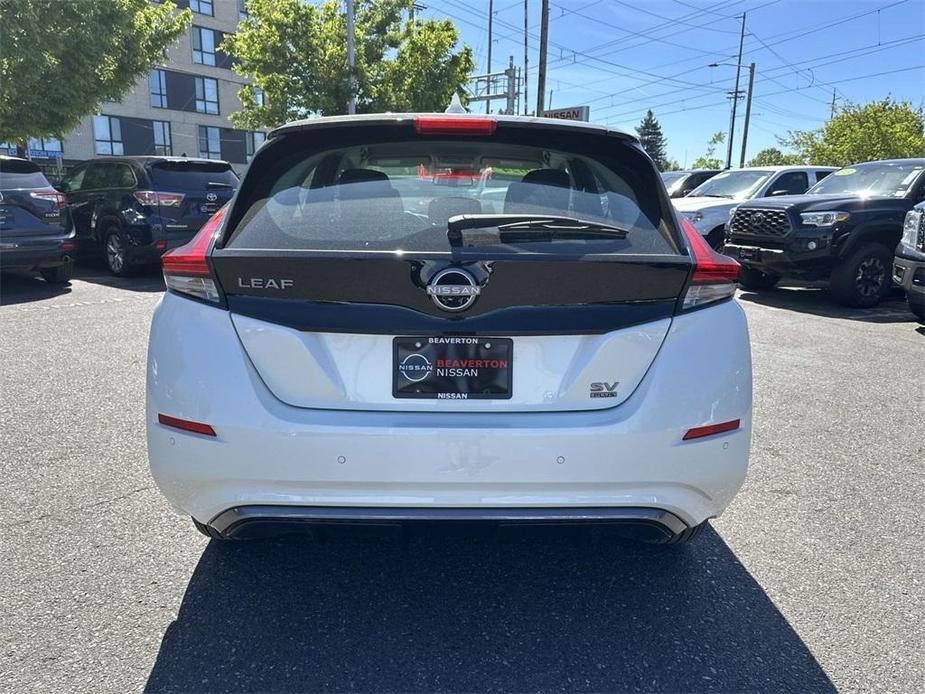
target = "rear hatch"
x: 29, y: 206
x: 189, y: 192
x: 356, y: 282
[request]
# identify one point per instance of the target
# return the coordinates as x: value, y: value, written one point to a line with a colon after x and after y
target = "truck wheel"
x: 756, y: 280
x: 863, y: 278
x: 60, y: 274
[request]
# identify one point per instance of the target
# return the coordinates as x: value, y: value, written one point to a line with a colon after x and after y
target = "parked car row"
x: 854, y: 227
x: 129, y: 210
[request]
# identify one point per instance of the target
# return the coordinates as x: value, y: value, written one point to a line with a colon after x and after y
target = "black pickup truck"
x: 844, y: 229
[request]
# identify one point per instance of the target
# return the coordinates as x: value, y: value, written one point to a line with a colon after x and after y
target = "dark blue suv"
x: 132, y: 209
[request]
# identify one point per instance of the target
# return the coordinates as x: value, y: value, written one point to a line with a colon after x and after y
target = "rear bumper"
x: 27, y: 253
x: 267, y: 453
x: 253, y: 521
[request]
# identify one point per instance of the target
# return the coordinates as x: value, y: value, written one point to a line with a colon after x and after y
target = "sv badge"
x: 603, y: 389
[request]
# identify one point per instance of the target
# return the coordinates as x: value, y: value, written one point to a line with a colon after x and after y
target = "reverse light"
x: 823, y: 219
x: 715, y: 275
x: 186, y: 269
x: 454, y: 125
x: 185, y: 425
x: 711, y: 430
x: 154, y: 197
x: 58, y: 200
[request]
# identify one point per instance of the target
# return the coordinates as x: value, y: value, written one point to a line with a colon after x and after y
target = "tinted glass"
x: 794, y: 182
x: 95, y: 177
x: 400, y: 195
x: 890, y: 179
x: 670, y: 176
x: 15, y: 173
x: 732, y: 184
x: 191, y: 175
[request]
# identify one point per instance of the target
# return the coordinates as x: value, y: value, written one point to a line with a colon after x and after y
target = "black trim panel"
x: 240, y: 522
x: 382, y: 319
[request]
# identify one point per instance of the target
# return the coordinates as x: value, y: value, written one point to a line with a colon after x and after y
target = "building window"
x: 206, y: 95
x: 157, y: 88
x: 210, y: 142
x: 162, y: 143
x: 202, y: 7
x: 258, y: 96
x: 203, y: 46
x: 45, y: 144
x: 107, y: 132
x: 254, y: 140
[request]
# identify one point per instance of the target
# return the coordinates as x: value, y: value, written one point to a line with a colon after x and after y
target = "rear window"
x: 15, y: 173
x: 191, y: 175
x: 398, y: 194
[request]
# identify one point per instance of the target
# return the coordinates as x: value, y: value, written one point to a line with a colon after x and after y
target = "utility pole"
x: 748, y: 112
x: 832, y: 110
x: 351, y: 81
x: 526, y: 58
x: 491, y: 14
x: 735, y: 97
x: 541, y: 73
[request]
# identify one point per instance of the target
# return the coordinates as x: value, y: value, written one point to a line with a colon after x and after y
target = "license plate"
x: 452, y: 368
x: 748, y: 253
x: 208, y: 207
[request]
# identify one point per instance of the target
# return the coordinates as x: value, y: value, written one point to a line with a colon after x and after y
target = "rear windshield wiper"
x: 551, y: 225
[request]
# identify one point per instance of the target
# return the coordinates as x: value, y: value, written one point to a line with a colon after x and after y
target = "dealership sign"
x: 570, y: 113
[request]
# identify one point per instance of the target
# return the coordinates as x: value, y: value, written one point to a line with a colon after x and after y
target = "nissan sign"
x: 570, y: 113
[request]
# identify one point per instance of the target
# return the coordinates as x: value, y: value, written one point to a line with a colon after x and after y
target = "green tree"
x: 883, y: 129
x: 60, y: 59
x: 710, y: 160
x: 295, y: 52
x: 771, y: 156
x: 652, y: 139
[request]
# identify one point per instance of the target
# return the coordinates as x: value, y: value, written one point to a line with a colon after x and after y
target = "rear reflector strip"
x: 454, y: 125
x: 185, y: 425
x: 711, y: 429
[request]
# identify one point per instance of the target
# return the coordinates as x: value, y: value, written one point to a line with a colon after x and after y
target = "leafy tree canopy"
x: 771, y: 156
x: 296, y: 53
x: 60, y: 59
x: 709, y: 160
x: 652, y: 140
x: 883, y: 129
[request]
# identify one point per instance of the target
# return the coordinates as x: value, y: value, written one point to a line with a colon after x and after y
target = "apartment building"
x: 181, y: 108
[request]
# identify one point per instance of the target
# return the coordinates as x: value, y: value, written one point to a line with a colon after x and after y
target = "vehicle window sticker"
x: 844, y: 172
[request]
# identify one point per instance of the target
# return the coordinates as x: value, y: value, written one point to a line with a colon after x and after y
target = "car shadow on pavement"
x: 816, y: 300
x: 148, y: 278
x: 544, y: 611
x: 20, y: 288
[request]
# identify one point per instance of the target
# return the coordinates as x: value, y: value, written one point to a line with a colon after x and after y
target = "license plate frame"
x: 452, y: 368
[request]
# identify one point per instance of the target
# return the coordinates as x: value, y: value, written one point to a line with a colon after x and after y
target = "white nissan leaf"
x: 439, y: 317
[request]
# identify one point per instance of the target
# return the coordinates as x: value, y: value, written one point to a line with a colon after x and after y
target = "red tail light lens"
x: 185, y: 425
x: 53, y: 196
x: 454, y: 125
x: 715, y: 275
x: 186, y: 269
x: 711, y: 429
x: 153, y: 197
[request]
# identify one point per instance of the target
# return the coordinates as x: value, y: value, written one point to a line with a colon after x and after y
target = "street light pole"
x: 541, y: 74
x: 351, y: 82
x: 748, y: 112
x: 491, y: 8
x: 735, y: 97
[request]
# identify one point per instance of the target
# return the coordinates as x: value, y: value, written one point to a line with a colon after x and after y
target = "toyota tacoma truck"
x: 844, y: 230
x: 909, y: 262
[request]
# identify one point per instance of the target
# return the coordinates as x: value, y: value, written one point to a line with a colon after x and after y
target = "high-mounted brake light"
x: 711, y: 429
x: 186, y: 269
x: 185, y: 425
x: 153, y: 197
x: 454, y: 125
x: 715, y: 275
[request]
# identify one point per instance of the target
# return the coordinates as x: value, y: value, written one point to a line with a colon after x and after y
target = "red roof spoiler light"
x: 454, y: 125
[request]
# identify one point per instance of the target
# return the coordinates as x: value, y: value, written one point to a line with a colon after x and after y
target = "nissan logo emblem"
x: 211, y: 197
x: 453, y: 289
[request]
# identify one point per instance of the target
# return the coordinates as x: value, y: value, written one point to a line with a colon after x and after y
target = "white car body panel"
x: 270, y: 452
x: 353, y: 372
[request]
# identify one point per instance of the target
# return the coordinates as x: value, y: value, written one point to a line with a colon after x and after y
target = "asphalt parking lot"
x: 812, y: 581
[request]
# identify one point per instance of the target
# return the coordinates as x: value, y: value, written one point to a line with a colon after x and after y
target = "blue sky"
x: 624, y: 56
